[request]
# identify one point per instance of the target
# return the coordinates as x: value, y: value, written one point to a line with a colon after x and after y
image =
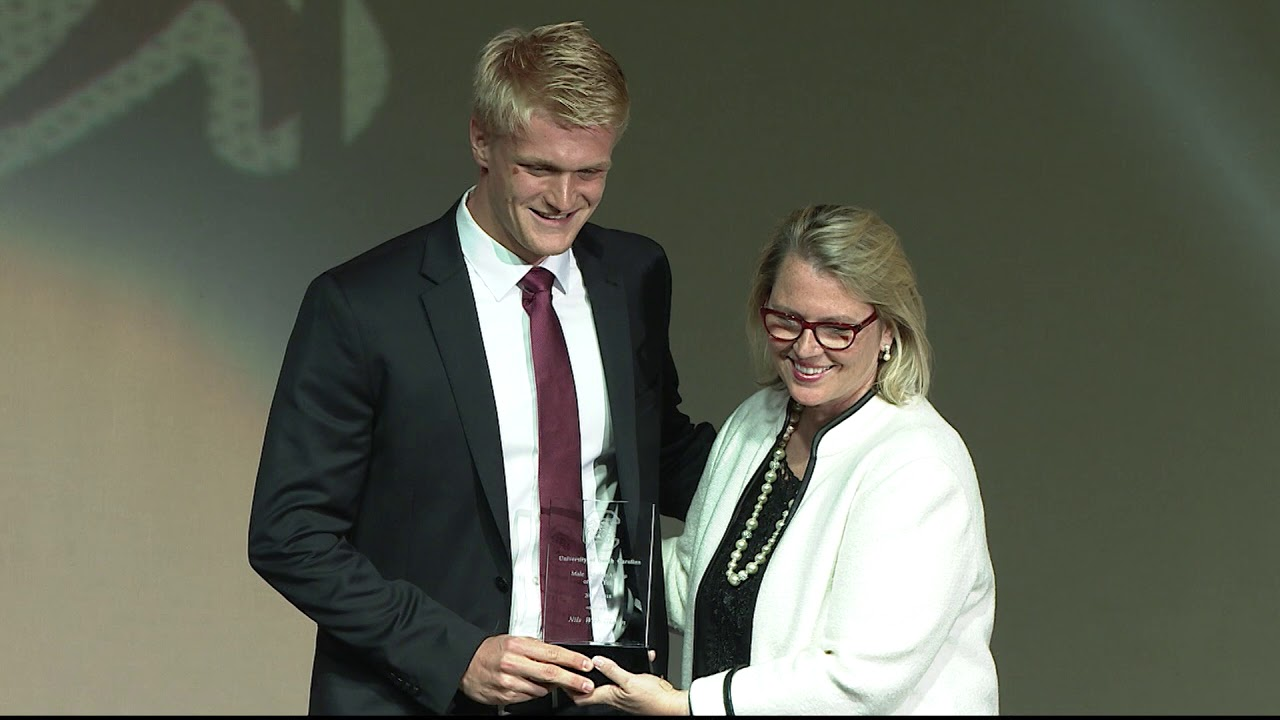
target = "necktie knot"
x: 537, y: 280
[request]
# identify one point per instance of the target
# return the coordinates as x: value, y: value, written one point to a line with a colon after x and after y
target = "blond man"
x: 397, y: 498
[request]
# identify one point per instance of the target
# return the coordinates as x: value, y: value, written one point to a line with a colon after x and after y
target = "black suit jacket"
x: 380, y: 508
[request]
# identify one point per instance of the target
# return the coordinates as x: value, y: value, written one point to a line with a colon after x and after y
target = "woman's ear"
x: 887, y: 335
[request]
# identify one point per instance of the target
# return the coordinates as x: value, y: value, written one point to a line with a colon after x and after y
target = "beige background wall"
x: 1088, y: 191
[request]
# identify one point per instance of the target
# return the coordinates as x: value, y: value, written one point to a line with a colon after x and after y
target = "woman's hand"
x: 635, y: 694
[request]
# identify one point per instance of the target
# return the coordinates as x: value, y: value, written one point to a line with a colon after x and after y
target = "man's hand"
x: 635, y: 694
x: 508, y: 669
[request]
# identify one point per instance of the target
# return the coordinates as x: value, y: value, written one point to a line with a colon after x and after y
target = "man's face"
x: 537, y: 189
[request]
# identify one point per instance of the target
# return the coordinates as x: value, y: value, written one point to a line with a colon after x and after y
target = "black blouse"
x: 722, y: 613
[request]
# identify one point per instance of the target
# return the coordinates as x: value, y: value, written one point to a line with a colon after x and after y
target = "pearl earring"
x: 885, y: 354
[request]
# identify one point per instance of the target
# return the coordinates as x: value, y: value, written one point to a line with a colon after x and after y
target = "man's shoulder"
x: 402, y: 254
x: 630, y: 253
x: 617, y: 239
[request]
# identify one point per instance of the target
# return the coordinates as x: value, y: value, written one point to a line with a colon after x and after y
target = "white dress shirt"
x: 504, y: 328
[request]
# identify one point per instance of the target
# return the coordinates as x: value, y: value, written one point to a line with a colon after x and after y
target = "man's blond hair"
x: 559, y: 70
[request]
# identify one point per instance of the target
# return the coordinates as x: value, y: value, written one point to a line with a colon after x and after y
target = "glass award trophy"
x: 621, y: 541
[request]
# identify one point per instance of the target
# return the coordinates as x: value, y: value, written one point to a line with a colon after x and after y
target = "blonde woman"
x: 835, y: 557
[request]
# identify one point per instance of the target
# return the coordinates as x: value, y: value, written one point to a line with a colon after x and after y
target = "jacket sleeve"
x: 314, y: 464
x: 678, y: 552
x: 684, y: 444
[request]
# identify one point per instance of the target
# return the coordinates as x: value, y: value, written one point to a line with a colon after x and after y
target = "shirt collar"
x: 498, y: 268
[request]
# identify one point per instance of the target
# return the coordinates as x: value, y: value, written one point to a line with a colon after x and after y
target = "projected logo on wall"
x: 70, y: 67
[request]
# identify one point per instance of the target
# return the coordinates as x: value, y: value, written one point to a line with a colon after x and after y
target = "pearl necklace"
x: 735, y: 576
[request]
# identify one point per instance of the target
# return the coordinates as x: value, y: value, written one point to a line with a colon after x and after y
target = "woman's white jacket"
x: 879, y: 598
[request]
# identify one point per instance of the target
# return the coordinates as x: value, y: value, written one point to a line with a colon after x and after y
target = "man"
x: 398, y: 497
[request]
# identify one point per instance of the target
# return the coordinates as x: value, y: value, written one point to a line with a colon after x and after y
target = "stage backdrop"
x: 1088, y: 190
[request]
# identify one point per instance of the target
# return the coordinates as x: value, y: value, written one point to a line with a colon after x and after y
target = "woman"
x: 835, y: 558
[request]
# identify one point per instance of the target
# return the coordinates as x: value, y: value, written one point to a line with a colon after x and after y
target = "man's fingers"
x: 516, y: 689
x: 557, y: 655
x: 548, y: 665
x: 571, y: 681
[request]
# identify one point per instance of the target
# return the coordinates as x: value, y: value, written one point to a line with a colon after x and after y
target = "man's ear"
x: 480, y: 144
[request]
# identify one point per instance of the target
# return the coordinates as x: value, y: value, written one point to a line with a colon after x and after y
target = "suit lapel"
x: 450, y: 309
x: 455, y: 326
x: 613, y: 331
x: 609, y: 306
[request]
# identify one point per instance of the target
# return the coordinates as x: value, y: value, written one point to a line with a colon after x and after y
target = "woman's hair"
x: 559, y: 70
x: 859, y: 249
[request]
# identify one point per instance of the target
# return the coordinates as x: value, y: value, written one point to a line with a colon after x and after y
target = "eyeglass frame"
x: 766, y: 312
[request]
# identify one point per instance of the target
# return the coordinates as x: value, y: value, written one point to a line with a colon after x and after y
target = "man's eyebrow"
x: 550, y: 165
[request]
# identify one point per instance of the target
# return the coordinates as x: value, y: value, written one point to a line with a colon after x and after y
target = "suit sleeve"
x: 313, y: 468
x: 685, y: 444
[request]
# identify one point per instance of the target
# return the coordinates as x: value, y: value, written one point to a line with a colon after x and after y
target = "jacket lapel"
x: 450, y: 309
x: 609, y: 306
x: 613, y: 331
x: 455, y: 327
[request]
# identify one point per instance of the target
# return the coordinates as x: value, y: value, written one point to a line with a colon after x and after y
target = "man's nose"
x: 563, y: 187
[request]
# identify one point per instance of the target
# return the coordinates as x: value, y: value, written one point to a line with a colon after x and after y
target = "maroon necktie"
x: 566, y: 615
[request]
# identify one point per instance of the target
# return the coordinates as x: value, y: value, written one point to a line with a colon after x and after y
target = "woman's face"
x: 828, y: 381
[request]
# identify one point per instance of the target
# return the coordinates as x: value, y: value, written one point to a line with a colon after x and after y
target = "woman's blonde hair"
x: 559, y: 70
x: 859, y: 249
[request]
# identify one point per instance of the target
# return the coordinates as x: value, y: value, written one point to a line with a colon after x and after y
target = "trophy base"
x: 632, y: 658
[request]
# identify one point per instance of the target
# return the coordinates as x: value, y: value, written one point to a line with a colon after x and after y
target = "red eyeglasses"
x: 785, y: 327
